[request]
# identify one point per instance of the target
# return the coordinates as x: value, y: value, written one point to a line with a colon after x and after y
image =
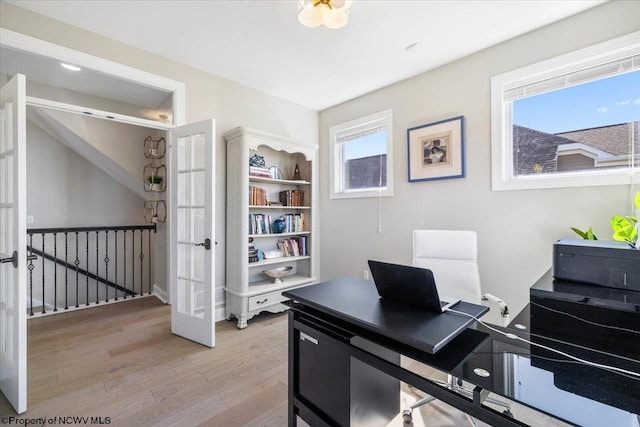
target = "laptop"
x: 409, y: 285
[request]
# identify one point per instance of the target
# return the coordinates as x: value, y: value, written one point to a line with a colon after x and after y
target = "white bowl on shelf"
x: 277, y: 273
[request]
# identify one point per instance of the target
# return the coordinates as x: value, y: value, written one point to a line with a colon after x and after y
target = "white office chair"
x: 452, y: 256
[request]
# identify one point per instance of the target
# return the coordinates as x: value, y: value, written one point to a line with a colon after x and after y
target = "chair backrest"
x: 452, y: 256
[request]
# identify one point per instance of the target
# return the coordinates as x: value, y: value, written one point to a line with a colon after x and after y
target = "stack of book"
x: 294, y: 223
x: 253, y: 253
x: 262, y: 172
x: 259, y: 224
x: 294, y: 246
x: 292, y: 197
x: 257, y: 196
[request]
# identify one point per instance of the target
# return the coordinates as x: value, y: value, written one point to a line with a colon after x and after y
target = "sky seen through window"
x: 604, y: 102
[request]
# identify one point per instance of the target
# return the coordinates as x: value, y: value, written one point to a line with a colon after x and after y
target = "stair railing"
x: 83, y: 266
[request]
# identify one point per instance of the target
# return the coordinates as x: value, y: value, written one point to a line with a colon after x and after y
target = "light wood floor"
x: 121, y: 361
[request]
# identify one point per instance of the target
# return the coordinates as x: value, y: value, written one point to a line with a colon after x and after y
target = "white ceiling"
x: 260, y: 43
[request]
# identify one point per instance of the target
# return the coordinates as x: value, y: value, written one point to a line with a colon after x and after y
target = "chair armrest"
x: 504, y: 310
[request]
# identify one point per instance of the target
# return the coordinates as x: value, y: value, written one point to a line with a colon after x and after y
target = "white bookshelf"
x: 248, y: 291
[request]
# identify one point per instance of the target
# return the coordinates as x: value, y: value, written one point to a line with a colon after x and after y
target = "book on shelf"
x: 260, y: 171
x: 262, y: 223
x: 294, y: 223
x: 292, y: 197
x: 294, y: 246
x: 259, y: 224
x: 257, y: 196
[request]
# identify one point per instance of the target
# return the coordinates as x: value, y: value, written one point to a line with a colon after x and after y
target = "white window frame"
x: 502, y: 176
x: 337, y: 172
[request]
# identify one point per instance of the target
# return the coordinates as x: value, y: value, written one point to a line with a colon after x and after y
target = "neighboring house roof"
x: 604, y: 144
x: 585, y: 150
x: 613, y: 139
x: 365, y: 172
x: 535, y: 149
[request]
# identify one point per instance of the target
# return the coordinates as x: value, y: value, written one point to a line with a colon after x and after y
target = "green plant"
x: 586, y: 235
x: 154, y: 179
x: 624, y: 227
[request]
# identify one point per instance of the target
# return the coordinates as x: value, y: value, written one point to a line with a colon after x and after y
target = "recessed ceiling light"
x: 411, y: 46
x: 70, y: 67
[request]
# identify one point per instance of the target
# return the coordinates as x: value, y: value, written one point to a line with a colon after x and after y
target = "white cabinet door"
x: 191, y: 254
x: 13, y: 243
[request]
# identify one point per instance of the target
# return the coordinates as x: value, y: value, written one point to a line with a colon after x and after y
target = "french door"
x: 191, y: 256
x: 13, y: 243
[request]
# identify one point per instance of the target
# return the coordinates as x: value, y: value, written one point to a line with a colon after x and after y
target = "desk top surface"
x: 526, y: 372
x: 357, y: 301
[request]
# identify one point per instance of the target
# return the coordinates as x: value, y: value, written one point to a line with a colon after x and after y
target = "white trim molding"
x: 19, y: 41
x: 363, y: 126
x: 160, y: 293
x: 545, y: 76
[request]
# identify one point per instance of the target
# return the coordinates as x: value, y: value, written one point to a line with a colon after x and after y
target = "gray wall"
x: 66, y: 190
x: 516, y: 229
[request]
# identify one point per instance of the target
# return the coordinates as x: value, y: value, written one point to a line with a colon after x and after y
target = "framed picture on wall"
x: 436, y: 150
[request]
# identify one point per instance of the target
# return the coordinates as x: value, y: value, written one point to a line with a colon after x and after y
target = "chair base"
x: 455, y: 385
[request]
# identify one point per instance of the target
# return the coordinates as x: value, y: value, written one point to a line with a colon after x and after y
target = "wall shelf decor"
x: 155, y: 178
x: 155, y: 211
x: 155, y: 147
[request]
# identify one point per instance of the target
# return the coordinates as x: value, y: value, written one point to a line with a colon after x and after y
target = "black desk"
x: 355, y: 380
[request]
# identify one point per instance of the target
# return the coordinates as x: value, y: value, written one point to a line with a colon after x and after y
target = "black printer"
x: 599, y: 262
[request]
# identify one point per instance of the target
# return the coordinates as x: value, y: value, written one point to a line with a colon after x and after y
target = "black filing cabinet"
x: 339, y: 389
x: 323, y: 374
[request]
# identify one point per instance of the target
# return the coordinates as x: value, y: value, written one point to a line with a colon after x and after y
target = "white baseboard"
x: 220, y: 312
x: 161, y: 294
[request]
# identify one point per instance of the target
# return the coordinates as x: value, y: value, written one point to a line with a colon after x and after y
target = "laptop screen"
x: 407, y: 284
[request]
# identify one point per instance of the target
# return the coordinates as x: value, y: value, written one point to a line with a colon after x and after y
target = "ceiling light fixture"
x: 70, y: 67
x: 330, y: 13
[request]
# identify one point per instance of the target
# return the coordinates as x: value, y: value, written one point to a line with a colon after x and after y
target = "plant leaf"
x: 579, y: 232
x: 618, y: 222
x: 623, y: 229
x: 637, y: 200
x: 590, y: 235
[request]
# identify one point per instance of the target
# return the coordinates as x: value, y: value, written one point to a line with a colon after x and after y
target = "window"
x: 570, y: 121
x: 361, y: 157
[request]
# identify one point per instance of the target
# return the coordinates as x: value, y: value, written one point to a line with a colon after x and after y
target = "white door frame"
x: 32, y: 45
x: 19, y: 41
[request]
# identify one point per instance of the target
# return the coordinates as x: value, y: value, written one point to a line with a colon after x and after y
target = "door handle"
x: 13, y: 259
x: 206, y: 244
